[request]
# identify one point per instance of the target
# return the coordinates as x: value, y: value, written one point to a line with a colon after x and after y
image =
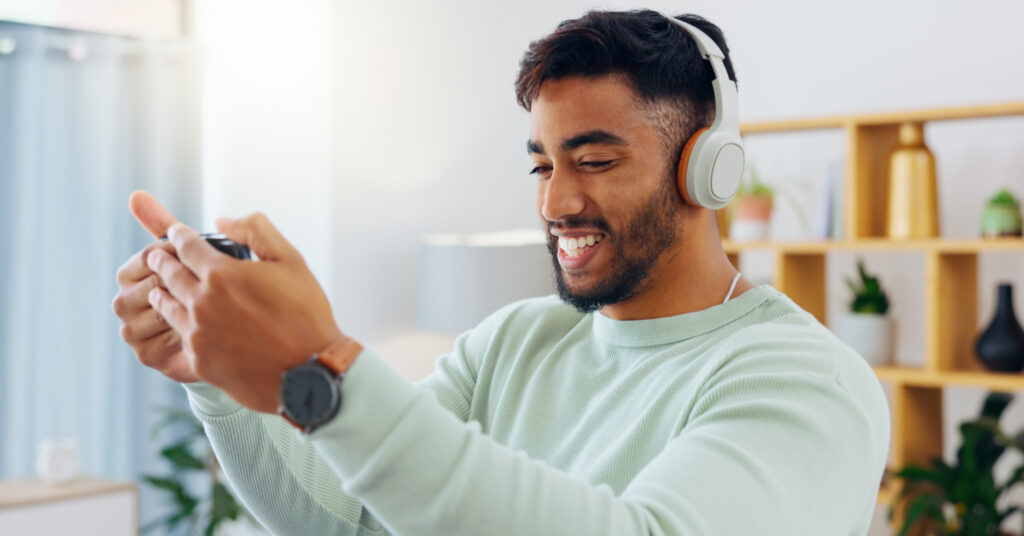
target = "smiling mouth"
x: 577, y: 246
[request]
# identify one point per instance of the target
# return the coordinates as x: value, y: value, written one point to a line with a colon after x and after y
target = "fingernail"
x: 172, y: 231
x: 154, y: 296
x: 152, y: 258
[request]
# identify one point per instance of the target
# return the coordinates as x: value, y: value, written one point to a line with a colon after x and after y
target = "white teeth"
x: 576, y: 245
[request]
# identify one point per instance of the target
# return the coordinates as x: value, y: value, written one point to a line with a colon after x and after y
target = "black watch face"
x: 308, y: 393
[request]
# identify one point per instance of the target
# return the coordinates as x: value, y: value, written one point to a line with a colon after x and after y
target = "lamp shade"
x: 465, y: 277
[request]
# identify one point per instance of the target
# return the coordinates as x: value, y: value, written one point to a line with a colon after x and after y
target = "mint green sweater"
x: 745, y: 418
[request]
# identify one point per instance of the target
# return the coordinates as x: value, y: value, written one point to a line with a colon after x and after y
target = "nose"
x: 560, y: 196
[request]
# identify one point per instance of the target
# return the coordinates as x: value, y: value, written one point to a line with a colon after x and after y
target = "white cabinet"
x: 85, y: 506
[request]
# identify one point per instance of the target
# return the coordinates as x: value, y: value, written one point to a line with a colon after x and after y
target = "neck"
x: 691, y: 276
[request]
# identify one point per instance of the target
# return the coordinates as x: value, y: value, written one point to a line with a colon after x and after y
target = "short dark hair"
x: 656, y: 57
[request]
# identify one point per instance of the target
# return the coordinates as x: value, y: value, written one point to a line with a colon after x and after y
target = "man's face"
x: 605, y: 188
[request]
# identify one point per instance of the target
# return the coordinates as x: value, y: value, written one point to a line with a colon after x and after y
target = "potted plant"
x: 960, y: 498
x: 752, y: 214
x: 1001, y: 216
x: 749, y: 216
x: 866, y: 327
x: 191, y: 456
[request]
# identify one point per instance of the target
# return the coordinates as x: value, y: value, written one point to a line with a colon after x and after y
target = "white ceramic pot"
x: 869, y: 335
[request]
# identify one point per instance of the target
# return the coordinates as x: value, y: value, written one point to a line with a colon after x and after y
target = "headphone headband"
x: 713, y: 159
x: 726, y: 101
x: 706, y: 45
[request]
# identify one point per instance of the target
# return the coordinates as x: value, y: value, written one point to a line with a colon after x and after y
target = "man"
x: 667, y: 396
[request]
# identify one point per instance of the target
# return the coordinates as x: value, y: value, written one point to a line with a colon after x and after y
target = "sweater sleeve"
x: 797, y: 450
x: 276, y: 475
x: 282, y: 480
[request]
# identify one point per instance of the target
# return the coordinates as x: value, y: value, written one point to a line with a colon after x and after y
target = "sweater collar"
x: 668, y: 329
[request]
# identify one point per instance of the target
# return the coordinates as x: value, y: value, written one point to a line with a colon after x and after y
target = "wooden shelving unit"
x: 950, y: 271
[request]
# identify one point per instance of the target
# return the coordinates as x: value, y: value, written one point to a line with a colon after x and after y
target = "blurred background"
x: 360, y: 127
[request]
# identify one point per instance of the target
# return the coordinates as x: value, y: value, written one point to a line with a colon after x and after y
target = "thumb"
x: 151, y: 214
x: 256, y: 231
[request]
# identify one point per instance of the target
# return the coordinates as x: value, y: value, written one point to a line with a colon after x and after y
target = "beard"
x: 648, y: 233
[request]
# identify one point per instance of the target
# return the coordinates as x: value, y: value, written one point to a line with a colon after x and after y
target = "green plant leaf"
x: 868, y: 296
x: 919, y: 474
x: 1003, y: 197
x: 1018, y: 441
x: 164, y: 483
x: 224, y: 507
x: 185, y: 503
x: 181, y: 457
x: 224, y: 504
x: 186, y: 511
x: 926, y: 506
x: 994, y: 404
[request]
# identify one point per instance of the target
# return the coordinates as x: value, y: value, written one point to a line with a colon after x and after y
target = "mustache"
x: 590, y: 222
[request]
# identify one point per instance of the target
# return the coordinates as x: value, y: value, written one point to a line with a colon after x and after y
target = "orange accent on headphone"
x: 684, y: 165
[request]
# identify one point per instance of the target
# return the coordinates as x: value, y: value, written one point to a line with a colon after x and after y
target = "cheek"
x: 541, y: 188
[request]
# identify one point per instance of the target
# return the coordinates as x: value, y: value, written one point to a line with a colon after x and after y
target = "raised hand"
x: 242, y: 323
x: 154, y: 341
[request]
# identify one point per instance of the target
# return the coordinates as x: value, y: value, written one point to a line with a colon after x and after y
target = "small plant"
x: 190, y: 454
x: 756, y: 187
x: 868, y: 295
x: 960, y: 498
x: 1002, y: 216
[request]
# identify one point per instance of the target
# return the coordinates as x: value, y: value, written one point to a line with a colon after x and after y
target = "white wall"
x: 426, y: 136
x: 266, y: 118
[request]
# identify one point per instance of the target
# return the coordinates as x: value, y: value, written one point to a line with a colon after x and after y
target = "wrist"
x: 339, y: 354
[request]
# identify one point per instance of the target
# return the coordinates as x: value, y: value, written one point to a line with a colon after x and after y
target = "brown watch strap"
x: 339, y: 355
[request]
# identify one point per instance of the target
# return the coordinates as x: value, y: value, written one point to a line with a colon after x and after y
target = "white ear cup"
x: 714, y: 169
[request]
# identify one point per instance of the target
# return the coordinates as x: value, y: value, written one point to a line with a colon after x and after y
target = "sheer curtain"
x: 84, y: 120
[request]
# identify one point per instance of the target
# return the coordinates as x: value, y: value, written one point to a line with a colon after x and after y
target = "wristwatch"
x: 311, y: 392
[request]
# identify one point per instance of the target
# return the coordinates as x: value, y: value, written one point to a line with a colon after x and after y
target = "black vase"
x: 1001, y: 346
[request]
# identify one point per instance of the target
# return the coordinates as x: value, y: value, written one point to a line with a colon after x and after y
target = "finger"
x: 136, y: 297
x: 194, y: 252
x: 177, y: 278
x: 171, y: 309
x: 159, y: 352
x: 151, y: 214
x: 144, y: 325
x: 163, y: 352
x: 135, y: 268
x: 256, y: 231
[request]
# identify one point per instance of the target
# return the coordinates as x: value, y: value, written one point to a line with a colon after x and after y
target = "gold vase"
x: 913, y: 199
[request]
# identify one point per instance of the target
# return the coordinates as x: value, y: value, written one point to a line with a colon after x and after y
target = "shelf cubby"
x: 950, y: 272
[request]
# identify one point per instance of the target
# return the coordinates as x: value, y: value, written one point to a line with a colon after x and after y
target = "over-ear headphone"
x: 712, y: 162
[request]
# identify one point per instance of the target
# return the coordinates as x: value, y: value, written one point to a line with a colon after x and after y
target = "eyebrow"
x: 587, y: 138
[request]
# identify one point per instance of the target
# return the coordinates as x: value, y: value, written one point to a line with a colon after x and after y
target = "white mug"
x: 57, y: 461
